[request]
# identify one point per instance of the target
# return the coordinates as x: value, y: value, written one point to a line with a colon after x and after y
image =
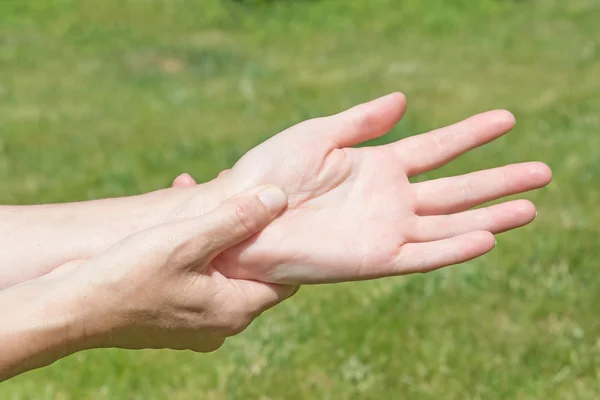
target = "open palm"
x: 353, y: 214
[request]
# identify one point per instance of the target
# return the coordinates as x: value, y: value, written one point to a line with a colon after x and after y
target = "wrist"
x: 115, y: 219
x: 194, y: 201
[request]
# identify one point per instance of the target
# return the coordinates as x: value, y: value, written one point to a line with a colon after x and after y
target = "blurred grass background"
x: 116, y: 97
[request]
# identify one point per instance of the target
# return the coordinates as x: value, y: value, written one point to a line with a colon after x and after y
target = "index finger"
x: 434, y: 149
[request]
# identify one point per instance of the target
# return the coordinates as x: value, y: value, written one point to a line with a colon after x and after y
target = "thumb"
x: 260, y: 296
x: 368, y: 121
x: 234, y: 221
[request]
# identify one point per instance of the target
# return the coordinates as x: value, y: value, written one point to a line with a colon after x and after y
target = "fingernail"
x: 273, y: 198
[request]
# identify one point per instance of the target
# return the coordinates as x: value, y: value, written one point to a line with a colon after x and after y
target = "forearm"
x: 38, y: 325
x: 156, y: 289
x: 36, y: 239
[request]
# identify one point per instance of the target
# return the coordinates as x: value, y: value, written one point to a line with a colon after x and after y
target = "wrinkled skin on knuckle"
x: 238, y: 323
x: 228, y: 314
x: 249, y: 215
x: 231, y: 322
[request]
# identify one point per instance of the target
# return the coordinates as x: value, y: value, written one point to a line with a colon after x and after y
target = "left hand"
x: 353, y: 214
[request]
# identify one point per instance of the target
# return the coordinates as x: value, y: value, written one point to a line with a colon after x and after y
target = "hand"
x: 353, y: 214
x: 159, y: 289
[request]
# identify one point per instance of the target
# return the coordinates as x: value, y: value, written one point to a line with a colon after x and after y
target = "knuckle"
x: 235, y: 322
x: 248, y: 215
x: 239, y: 324
x: 451, y: 227
x: 366, y: 120
x: 438, y: 141
x: 488, y: 217
x: 465, y: 190
x: 407, y: 264
x: 505, y: 180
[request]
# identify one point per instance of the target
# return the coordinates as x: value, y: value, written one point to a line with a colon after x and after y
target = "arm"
x: 36, y: 327
x: 155, y: 289
x: 37, y: 239
x: 353, y: 212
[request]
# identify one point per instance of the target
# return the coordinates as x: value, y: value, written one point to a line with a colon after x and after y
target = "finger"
x: 367, y: 121
x: 261, y: 296
x: 225, y: 171
x: 231, y: 223
x: 184, y: 180
x: 425, y: 257
x: 459, y: 193
x: 495, y: 219
x: 431, y: 150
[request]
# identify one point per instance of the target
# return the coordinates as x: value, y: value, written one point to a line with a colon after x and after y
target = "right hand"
x: 158, y: 288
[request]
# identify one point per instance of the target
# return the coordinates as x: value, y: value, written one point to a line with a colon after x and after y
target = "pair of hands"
x: 154, y: 289
x: 350, y: 214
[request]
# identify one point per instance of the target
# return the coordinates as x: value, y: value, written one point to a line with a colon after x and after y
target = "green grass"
x: 116, y: 97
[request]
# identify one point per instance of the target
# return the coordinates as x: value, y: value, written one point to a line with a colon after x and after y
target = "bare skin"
x: 154, y: 289
x: 147, y: 271
x: 353, y: 213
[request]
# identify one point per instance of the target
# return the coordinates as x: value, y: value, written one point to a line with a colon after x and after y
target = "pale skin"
x: 189, y: 266
x: 353, y: 214
x: 154, y: 289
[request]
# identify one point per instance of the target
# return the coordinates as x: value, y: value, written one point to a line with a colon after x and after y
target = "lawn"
x: 116, y: 97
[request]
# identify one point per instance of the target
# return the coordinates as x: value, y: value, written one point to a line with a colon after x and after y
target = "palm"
x: 353, y: 214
